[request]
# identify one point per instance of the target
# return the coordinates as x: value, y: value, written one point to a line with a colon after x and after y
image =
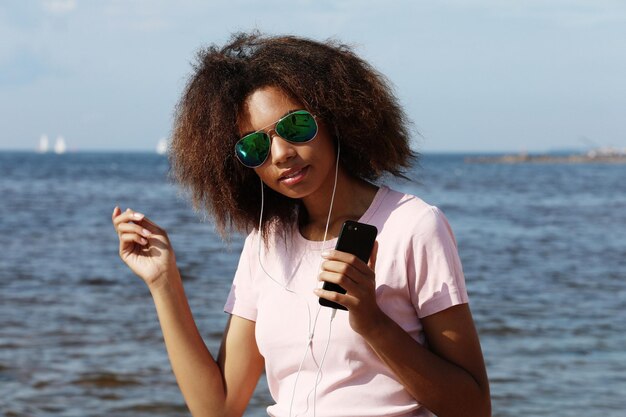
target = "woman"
x: 284, y: 137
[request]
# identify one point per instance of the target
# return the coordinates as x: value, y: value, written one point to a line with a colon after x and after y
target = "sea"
x: 543, y: 248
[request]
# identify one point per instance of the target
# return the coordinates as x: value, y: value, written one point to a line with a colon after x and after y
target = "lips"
x: 293, y: 176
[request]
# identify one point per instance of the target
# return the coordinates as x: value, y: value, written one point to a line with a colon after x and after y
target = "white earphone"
x: 311, y: 326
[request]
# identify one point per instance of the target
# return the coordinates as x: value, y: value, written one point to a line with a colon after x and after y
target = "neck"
x: 352, y: 198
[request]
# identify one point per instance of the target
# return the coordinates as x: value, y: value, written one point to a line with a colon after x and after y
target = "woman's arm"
x: 210, y: 388
x: 449, y: 378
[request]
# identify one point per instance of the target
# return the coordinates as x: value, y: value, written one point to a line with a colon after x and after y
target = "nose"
x: 281, y: 150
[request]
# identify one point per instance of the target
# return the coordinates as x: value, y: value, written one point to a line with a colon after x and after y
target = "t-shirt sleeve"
x: 435, y: 271
x: 242, y: 299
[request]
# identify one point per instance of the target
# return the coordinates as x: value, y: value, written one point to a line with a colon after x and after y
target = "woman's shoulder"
x: 401, y: 204
x: 406, y: 213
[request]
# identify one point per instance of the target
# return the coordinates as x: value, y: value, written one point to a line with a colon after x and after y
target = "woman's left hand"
x: 358, y: 279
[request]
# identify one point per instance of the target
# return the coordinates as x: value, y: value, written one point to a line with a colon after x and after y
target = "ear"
x: 372, y: 262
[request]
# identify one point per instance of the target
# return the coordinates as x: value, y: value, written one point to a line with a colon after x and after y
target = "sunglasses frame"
x: 268, y: 136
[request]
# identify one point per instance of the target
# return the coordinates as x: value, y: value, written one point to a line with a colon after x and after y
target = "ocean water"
x: 543, y: 248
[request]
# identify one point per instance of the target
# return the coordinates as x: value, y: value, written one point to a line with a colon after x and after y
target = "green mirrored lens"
x: 252, y: 150
x: 299, y: 126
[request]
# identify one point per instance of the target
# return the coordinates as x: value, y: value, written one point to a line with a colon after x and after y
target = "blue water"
x: 543, y: 248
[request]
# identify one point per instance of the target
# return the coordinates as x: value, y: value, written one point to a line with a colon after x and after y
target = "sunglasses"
x: 298, y: 126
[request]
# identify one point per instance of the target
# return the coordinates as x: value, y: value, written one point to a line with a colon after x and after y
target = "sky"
x: 473, y: 75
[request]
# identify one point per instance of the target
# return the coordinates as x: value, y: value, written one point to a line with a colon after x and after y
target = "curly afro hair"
x: 352, y: 98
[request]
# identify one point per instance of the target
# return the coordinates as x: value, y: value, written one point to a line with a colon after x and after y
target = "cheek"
x: 325, y: 146
x: 326, y: 151
x: 268, y: 177
x: 263, y: 173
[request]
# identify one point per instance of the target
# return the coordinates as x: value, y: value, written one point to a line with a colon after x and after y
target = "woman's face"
x: 296, y: 170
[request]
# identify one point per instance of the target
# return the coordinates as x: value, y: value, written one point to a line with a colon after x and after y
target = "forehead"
x: 264, y: 106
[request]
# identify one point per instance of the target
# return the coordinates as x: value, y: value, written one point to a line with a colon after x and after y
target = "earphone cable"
x: 319, y: 370
x: 311, y: 326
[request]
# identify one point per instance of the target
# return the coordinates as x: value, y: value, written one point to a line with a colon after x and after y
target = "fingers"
x: 349, y: 259
x: 354, y: 278
x: 345, y: 269
x: 129, y: 215
x: 345, y: 300
x: 118, y: 217
x: 134, y: 228
x: 150, y: 225
x: 344, y: 282
x: 372, y: 261
x: 352, y: 284
x: 116, y: 212
x: 351, y: 273
x: 128, y: 238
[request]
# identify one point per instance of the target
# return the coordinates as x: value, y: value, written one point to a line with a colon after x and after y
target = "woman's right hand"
x: 144, y: 247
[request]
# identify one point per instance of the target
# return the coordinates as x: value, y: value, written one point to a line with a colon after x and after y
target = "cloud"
x: 59, y: 7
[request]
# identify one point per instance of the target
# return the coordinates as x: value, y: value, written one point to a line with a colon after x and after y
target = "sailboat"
x: 59, y: 146
x: 161, y: 147
x: 43, y: 144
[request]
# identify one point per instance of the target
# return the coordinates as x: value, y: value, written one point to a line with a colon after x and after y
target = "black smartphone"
x: 355, y: 238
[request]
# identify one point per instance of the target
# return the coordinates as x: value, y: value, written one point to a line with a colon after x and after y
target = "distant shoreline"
x: 601, y: 156
x: 591, y: 157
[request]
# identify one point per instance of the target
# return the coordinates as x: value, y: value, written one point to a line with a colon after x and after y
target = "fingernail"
x: 143, y: 241
x: 325, y: 254
x: 138, y: 216
x: 146, y: 232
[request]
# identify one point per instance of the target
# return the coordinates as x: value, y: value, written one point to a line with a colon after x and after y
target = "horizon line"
x: 425, y: 151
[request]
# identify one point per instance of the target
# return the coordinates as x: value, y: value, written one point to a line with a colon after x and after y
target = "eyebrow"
x: 263, y: 128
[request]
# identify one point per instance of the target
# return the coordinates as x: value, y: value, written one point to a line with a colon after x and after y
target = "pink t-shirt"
x: 418, y: 273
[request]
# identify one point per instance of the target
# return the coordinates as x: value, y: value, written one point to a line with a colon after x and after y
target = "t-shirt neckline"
x: 365, y: 218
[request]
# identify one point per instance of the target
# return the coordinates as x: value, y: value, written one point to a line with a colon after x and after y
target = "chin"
x: 291, y: 193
